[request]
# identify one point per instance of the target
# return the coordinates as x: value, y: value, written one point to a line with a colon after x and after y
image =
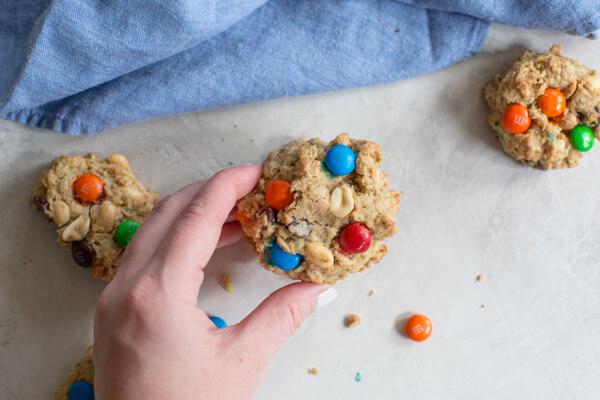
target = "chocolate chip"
x: 300, y: 228
x: 270, y: 213
x: 597, y: 108
x: 540, y: 166
x: 42, y: 204
x: 83, y: 254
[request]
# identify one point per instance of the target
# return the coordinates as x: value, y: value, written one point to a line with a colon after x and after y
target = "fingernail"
x: 325, y: 298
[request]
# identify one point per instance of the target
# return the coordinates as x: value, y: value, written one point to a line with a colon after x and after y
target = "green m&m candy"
x: 125, y: 232
x: 582, y: 138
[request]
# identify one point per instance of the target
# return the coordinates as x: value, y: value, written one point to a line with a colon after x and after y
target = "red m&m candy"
x: 87, y: 188
x: 355, y: 238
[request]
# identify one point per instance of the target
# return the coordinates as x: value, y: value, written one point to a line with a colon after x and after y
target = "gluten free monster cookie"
x: 97, y: 205
x: 320, y: 210
x: 545, y: 109
x: 79, y: 383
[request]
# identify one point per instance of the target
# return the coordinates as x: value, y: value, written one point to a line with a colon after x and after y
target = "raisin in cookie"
x: 97, y: 205
x: 545, y: 109
x: 320, y: 210
x: 79, y: 382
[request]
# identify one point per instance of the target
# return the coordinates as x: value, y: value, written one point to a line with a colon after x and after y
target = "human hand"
x: 151, y: 339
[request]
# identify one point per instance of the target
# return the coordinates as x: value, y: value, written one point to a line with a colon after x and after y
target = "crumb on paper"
x: 480, y: 277
x: 230, y: 163
x: 313, y: 371
x: 352, y: 321
x: 227, y: 283
x: 357, y: 377
x: 483, y: 306
x: 372, y: 292
x: 529, y: 242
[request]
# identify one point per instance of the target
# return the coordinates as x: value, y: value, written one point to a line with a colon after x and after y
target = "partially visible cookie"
x: 79, y: 380
x: 320, y: 210
x: 97, y: 205
x: 545, y: 109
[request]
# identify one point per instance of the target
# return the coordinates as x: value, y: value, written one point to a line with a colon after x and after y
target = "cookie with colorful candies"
x: 97, y: 205
x: 321, y: 211
x: 545, y: 109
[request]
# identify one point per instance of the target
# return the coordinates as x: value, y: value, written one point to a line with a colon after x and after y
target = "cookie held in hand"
x: 320, y: 210
x: 97, y: 204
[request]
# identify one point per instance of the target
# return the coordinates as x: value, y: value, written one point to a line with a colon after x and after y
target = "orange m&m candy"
x: 419, y: 327
x: 516, y: 118
x: 552, y: 102
x: 279, y: 195
x: 87, y: 188
x: 241, y: 217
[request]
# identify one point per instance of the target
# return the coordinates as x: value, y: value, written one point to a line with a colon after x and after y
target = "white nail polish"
x: 325, y: 298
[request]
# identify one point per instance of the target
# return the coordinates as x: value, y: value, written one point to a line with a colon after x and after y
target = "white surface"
x: 467, y: 209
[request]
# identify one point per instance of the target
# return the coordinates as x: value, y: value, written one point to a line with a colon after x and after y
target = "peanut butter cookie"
x: 545, y: 109
x: 320, y: 210
x: 79, y: 382
x: 97, y: 205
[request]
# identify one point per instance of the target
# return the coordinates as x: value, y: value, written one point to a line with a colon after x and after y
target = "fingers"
x: 195, y: 233
x: 231, y: 217
x: 146, y: 240
x: 269, y: 326
x: 231, y: 233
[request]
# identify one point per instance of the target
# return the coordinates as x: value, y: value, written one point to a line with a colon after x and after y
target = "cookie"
x: 97, y: 205
x: 80, y: 379
x: 545, y: 109
x: 320, y: 210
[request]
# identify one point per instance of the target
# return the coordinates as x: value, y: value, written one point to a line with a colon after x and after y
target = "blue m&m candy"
x: 81, y: 390
x: 219, y: 323
x: 340, y: 159
x: 283, y: 260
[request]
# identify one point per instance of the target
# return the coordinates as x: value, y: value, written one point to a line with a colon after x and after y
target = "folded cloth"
x: 84, y: 66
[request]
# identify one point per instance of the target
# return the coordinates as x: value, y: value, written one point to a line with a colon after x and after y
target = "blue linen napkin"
x: 84, y: 66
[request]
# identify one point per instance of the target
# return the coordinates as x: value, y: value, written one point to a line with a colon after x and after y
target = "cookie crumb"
x: 483, y: 306
x: 352, y: 321
x: 372, y: 292
x: 227, y: 283
x: 529, y: 242
x: 480, y: 277
x: 313, y: 371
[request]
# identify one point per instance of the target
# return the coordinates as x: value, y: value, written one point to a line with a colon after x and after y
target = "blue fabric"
x: 84, y: 66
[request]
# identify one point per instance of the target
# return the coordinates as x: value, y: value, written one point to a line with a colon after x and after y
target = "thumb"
x: 269, y: 326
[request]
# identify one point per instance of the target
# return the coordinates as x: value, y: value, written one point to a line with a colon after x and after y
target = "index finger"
x: 194, y: 235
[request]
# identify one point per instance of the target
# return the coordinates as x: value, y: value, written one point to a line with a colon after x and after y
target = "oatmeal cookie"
x: 79, y: 380
x: 97, y: 205
x: 545, y: 109
x: 320, y: 210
